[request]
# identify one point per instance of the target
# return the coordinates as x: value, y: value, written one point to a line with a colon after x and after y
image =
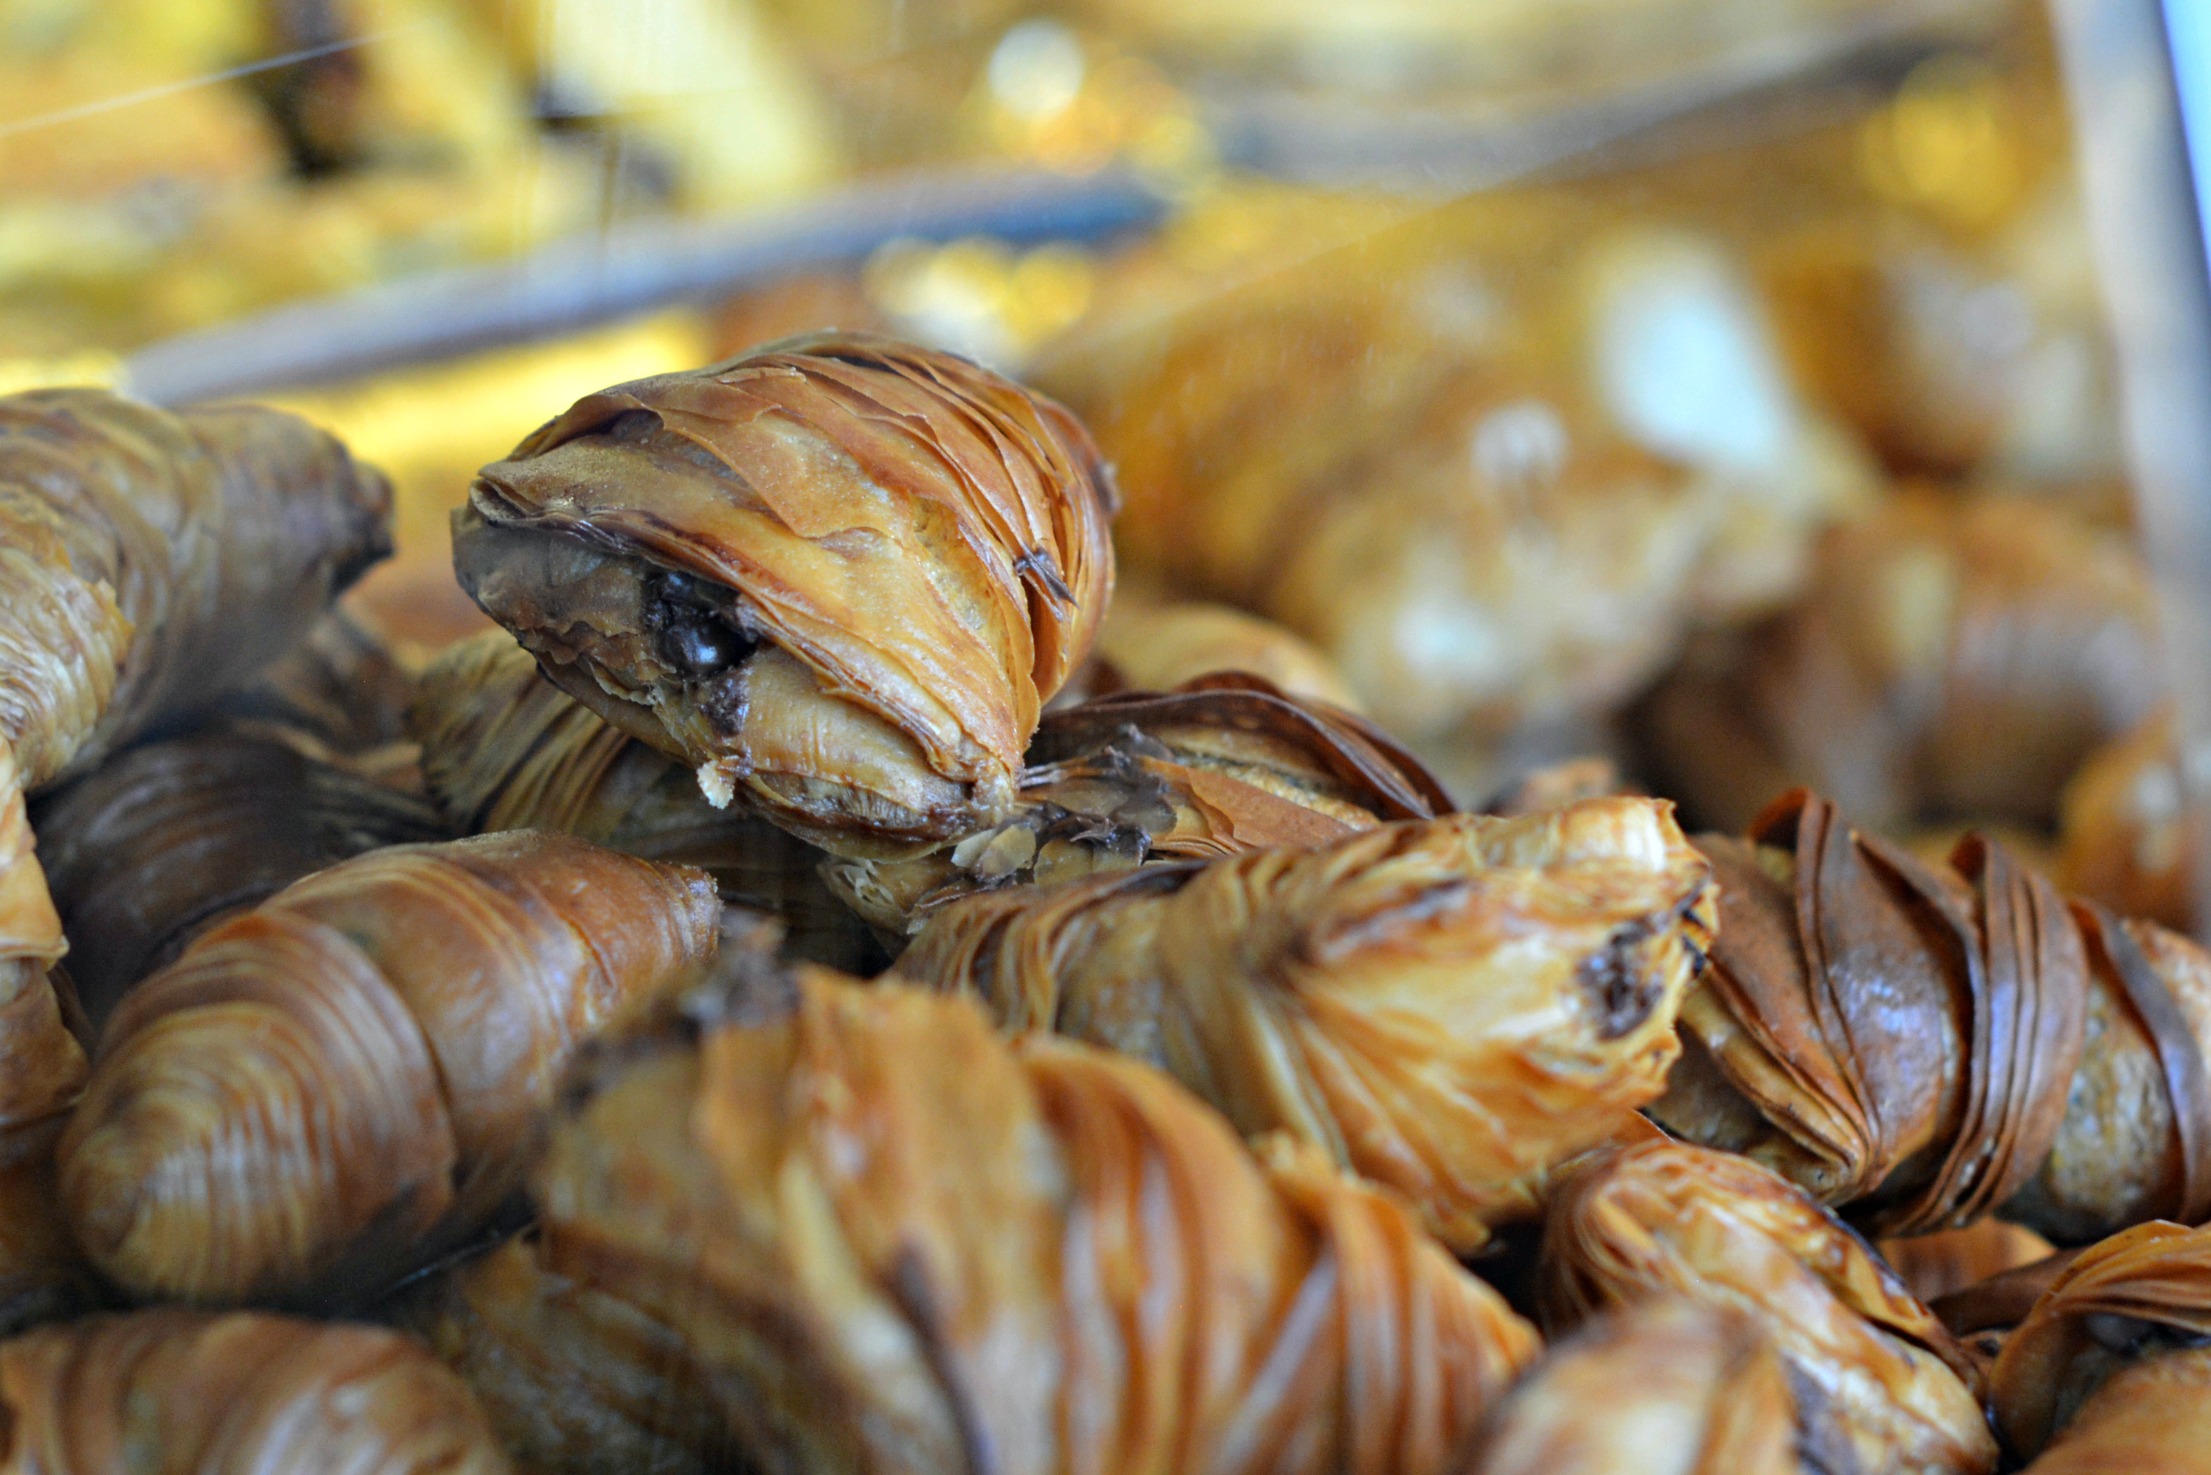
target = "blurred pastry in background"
x: 393, y: 83
x: 1500, y: 51
x: 168, y: 167
x: 1496, y: 461
x: 805, y: 303
x: 1948, y: 305
x: 1156, y: 645
x: 1951, y: 659
x: 2123, y: 833
x: 694, y: 100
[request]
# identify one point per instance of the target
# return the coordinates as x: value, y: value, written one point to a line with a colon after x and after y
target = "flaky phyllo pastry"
x: 898, y: 1243
x: 1226, y: 764
x: 1879, y: 1383
x: 1448, y: 1007
x: 163, y: 842
x: 2111, y: 1368
x: 1924, y: 1045
x: 149, y: 563
x: 321, y: 1089
x: 170, y: 1389
x: 838, y: 577
x: 504, y: 749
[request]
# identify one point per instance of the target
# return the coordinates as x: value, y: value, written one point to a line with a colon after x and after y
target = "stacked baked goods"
x: 805, y: 994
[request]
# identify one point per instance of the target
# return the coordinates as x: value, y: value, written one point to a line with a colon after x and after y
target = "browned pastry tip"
x: 897, y: 1242
x: 167, y: 839
x: 1666, y: 1386
x: 1225, y: 764
x: 2118, y: 1308
x: 505, y: 749
x: 1449, y: 1007
x: 175, y: 1392
x: 838, y: 576
x: 1879, y: 1383
x: 149, y: 563
x: 1924, y: 1045
x: 321, y: 1088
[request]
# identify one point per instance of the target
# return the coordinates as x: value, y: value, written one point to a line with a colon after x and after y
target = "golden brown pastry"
x: 42, y: 1060
x: 164, y: 841
x: 504, y: 749
x: 174, y: 1392
x: 149, y: 562
x: 1951, y: 658
x: 1159, y: 645
x: 2110, y: 1370
x: 1928, y: 1045
x: 840, y: 576
x: 1950, y: 1260
x: 1468, y: 457
x: 899, y: 1243
x: 320, y: 1088
x: 1664, y: 1386
x: 2124, y: 836
x: 575, y: 1381
x: 1879, y: 1383
x: 154, y: 561
x: 1224, y: 765
x: 1447, y: 1007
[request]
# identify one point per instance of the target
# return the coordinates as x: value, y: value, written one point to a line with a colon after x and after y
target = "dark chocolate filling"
x: 695, y: 626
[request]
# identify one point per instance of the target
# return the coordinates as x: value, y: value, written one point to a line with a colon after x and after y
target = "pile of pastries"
x: 824, y: 985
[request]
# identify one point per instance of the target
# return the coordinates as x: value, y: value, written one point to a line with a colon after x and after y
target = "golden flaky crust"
x: 1879, y: 1383
x: 170, y: 1392
x: 839, y: 575
x: 575, y: 1381
x: 319, y: 1086
x: 1661, y: 1387
x: 168, y: 839
x: 1224, y: 765
x: 505, y: 749
x: 2135, y: 1297
x: 1953, y: 656
x: 1926, y: 1044
x: 148, y: 563
x: 1448, y: 1007
x: 154, y: 560
x: 901, y: 1245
